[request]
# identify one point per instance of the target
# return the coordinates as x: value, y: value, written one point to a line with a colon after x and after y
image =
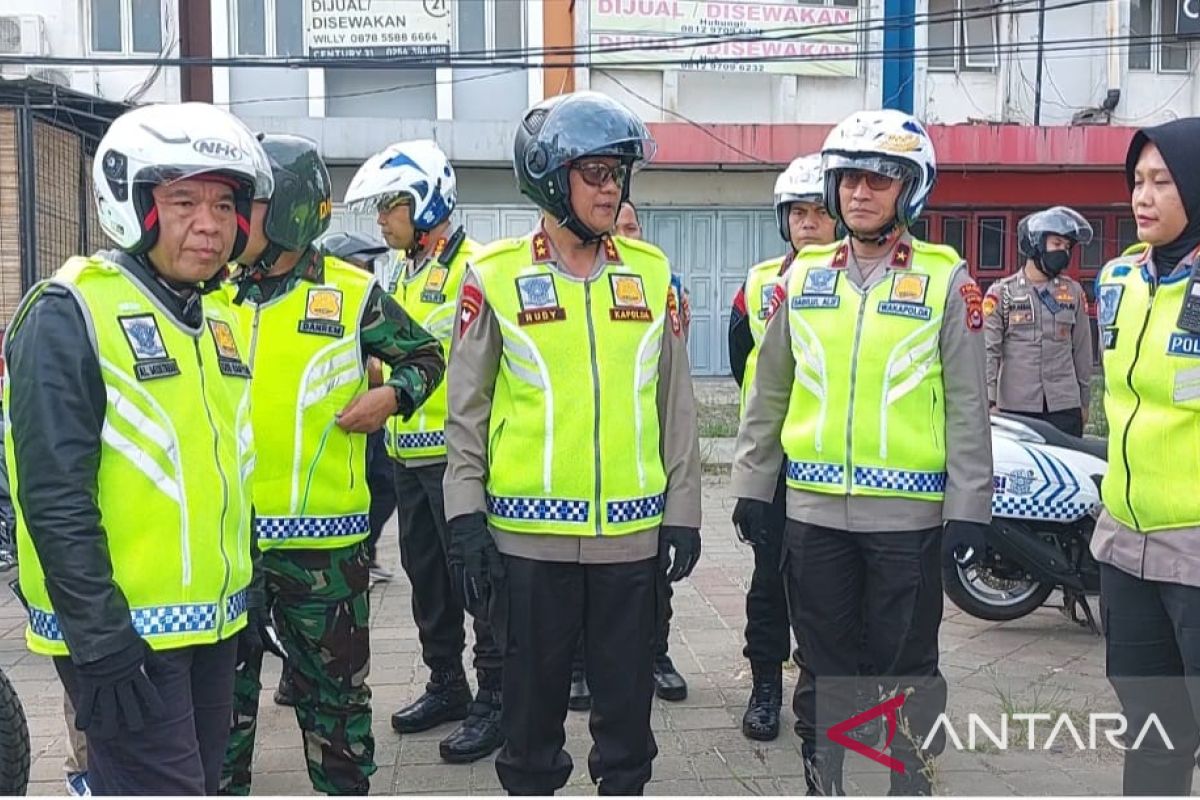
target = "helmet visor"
x: 879, y: 165
x: 1059, y: 221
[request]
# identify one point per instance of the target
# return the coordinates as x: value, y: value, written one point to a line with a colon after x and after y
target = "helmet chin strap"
x: 878, y: 237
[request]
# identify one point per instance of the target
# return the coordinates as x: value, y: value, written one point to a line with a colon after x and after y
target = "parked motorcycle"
x: 1046, y: 497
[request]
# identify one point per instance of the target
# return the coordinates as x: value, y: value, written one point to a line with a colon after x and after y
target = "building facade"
x: 732, y: 89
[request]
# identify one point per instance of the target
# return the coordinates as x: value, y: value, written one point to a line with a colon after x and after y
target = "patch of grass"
x: 1039, y: 699
x: 717, y: 420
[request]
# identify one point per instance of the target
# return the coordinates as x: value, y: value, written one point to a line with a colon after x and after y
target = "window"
x: 269, y: 28
x: 991, y: 231
x: 125, y: 26
x: 954, y: 233
x: 963, y: 35
x: 485, y: 27
x: 1152, y: 41
x: 1091, y: 255
x: 920, y: 229
x: 1126, y: 234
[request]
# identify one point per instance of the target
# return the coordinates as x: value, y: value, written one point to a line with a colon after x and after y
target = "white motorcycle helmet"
x: 157, y: 144
x: 801, y: 182
x: 418, y: 170
x: 887, y: 142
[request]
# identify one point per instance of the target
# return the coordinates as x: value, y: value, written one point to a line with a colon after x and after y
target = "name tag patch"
x: 1109, y: 337
x: 629, y: 299
x: 146, y: 342
x: 768, y: 290
x: 323, y: 313
x: 1184, y: 344
x: 906, y: 310
x: 816, y: 301
x: 539, y: 300
x: 229, y: 361
x: 434, y: 285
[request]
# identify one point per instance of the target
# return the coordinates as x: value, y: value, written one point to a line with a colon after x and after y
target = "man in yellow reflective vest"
x: 870, y: 381
x: 313, y: 321
x: 413, y: 189
x: 129, y: 449
x: 802, y: 220
x: 573, y: 471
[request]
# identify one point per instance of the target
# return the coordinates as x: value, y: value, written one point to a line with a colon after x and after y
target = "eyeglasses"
x: 598, y: 174
x: 389, y: 201
x: 850, y: 179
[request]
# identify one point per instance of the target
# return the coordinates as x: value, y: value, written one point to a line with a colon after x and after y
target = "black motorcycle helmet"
x: 300, y: 207
x: 563, y: 129
x: 353, y: 247
x: 1033, y: 230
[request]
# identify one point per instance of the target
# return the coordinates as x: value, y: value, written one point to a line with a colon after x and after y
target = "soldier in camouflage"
x: 313, y: 323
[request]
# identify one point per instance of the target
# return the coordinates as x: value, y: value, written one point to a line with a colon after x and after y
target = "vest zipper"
x: 1137, y: 351
x: 224, y: 492
x: 587, y: 301
x: 254, y: 335
x: 862, y: 306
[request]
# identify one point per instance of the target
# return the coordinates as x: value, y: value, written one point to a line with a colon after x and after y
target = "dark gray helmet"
x: 1060, y: 221
x: 565, y: 128
x: 353, y: 247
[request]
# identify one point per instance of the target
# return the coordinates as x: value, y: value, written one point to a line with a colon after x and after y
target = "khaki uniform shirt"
x: 1039, y: 344
x: 968, y: 496
x: 478, y: 347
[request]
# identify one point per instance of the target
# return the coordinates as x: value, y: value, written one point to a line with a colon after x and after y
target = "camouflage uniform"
x: 320, y: 607
x: 319, y: 598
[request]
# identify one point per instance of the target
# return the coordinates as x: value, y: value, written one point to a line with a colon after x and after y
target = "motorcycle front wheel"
x: 980, y: 592
x: 14, y: 742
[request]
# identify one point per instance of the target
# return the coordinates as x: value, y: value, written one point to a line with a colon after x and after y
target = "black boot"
x: 445, y: 700
x: 822, y: 771
x: 581, y: 695
x: 668, y: 683
x: 285, y: 693
x: 479, y: 735
x: 761, y: 720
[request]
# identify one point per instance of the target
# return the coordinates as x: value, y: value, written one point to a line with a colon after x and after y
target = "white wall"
x: 1072, y: 80
x: 66, y: 34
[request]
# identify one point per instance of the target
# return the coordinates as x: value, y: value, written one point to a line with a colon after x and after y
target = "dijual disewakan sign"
x: 376, y: 28
x: 725, y: 36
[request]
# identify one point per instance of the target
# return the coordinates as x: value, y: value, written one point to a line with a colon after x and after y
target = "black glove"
x: 254, y: 638
x: 750, y: 520
x: 686, y: 544
x: 964, y: 543
x: 476, y: 567
x: 116, y: 695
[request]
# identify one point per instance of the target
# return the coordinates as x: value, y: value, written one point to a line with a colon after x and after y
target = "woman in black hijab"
x: 1147, y: 539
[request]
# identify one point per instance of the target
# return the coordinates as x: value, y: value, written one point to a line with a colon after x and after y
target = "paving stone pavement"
x: 1042, y: 663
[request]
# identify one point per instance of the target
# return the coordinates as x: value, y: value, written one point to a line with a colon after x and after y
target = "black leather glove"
x: 115, y: 694
x: 476, y: 566
x: 964, y: 543
x: 685, y: 542
x: 254, y: 639
x: 750, y: 520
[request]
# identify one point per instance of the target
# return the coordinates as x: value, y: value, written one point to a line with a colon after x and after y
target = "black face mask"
x: 1054, y: 262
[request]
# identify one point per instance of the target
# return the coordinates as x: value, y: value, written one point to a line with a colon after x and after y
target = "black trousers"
x: 1069, y: 420
x: 382, y: 485
x: 181, y: 752
x: 1152, y: 644
x: 424, y: 542
x: 768, y: 636
x: 869, y: 598
x: 538, y: 613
